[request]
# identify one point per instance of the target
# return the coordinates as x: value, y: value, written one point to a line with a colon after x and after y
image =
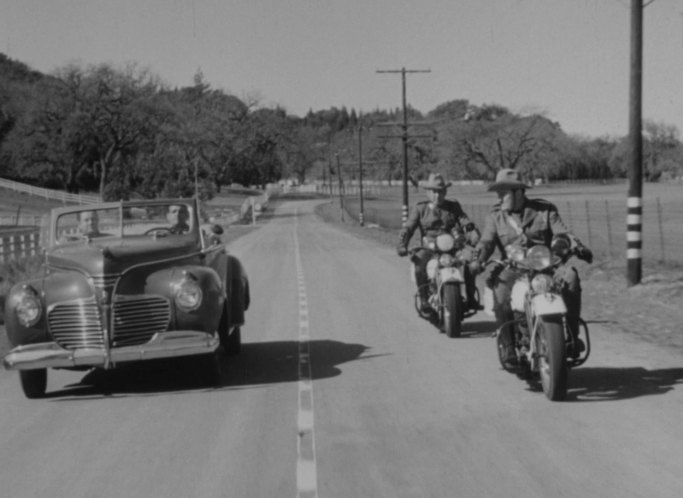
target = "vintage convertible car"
x: 123, y: 282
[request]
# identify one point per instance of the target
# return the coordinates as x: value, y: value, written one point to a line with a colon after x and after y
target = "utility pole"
x: 360, y: 170
x: 634, y: 223
x: 404, y: 136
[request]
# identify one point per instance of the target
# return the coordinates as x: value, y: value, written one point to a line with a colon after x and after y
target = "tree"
x: 658, y: 139
x: 494, y: 139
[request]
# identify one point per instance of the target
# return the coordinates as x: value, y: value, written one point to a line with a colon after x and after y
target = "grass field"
x: 595, y: 213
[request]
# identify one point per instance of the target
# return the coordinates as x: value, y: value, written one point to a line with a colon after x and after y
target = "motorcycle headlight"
x: 538, y: 257
x: 446, y: 260
x: 541, y: 284
x: 445, y: 242
x: 188, y: 294
x: 429, y: 243
x: 514, y: 253
x: 28, y: 308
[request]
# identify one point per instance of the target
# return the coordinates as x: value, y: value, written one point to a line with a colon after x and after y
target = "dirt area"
x: 652, y: 310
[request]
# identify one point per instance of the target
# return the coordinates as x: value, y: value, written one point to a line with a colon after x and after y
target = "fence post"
x: 569, y: 216
x: 661, y: 229
x: 588, y: 226
x: 609, y: 228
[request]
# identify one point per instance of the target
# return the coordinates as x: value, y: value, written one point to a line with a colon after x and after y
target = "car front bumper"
x: 162, y: 345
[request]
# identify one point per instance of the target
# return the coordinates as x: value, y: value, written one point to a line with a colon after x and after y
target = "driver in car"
x: 89, y: 224
x: 177, y: 216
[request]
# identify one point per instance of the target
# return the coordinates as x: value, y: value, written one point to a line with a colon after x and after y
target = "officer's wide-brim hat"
x: 436, y: 182
x: 507, y: 179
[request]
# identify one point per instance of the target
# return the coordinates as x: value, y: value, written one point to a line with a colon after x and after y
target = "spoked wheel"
x: 552, y: 358
x: 33, y: 382
x: 452, y: 310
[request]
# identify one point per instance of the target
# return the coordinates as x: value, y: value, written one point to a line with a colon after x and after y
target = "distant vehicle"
x: 126, y: 282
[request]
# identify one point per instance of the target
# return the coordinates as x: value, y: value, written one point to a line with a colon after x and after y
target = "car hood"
x: 115, y: 255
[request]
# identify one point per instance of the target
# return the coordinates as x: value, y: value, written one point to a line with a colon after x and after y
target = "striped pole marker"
x: 404, y: 215
x: 634, y: 238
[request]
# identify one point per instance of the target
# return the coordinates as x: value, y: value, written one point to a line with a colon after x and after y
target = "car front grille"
x: 76, y: 324
x: 137, y: 318
x: 105, y: 281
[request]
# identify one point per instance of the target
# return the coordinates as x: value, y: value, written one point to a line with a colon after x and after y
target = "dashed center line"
x: 306, y: 468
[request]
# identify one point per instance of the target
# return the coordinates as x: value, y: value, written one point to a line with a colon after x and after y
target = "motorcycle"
x: 446, y: 281
x: 541, y: 335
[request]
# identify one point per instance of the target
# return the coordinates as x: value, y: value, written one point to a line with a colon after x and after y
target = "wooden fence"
x: 45, y: 193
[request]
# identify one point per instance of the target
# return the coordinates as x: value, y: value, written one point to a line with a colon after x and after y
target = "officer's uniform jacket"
x: 536, y: 224
x: 431, y: 220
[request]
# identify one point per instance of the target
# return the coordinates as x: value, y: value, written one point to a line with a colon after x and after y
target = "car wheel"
x: 231, y: 340
x: 233, y: 345
x: 33, y: 382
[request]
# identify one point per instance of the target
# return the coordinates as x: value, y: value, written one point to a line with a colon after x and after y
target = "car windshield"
x: 155, y: 220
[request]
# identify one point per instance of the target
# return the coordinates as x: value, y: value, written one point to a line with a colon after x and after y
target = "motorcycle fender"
x: 432, y: 268
x: 519, y: 291
x: 450, y: 274
x: 488, y: 302
x: 548, y: 304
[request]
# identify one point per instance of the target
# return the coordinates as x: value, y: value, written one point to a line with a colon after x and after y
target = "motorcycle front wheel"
x: 452, y: 310
x: 550, y: 347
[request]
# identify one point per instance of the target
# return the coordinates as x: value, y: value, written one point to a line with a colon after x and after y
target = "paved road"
x: 341, y: 391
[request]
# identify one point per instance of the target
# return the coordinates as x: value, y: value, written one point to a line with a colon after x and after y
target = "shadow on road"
x: 610, y: 384
x: 258, y: 364
x: 478, y: 329
x: 471, y: 329
x: 274, y: 362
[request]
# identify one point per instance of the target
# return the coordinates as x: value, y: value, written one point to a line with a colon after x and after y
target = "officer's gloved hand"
x: 402, y: 251
x: 582, y: 252
x: 494, y: 273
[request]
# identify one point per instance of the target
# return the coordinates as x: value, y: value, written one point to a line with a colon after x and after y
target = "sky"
x: 567, y: 59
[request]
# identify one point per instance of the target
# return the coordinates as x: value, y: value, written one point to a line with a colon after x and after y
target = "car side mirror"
x: 216, y: 229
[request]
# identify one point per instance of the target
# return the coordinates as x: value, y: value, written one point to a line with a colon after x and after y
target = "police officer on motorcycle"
x: 516, y: 219
x: 433, y: 217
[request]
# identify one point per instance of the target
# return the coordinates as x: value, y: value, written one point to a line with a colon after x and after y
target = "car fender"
x: 207, y: 315
x: 54, y: 288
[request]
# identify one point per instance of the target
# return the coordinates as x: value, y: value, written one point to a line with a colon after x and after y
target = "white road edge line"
x: 306, y: 467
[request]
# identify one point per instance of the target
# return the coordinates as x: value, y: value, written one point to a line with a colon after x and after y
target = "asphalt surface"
x: 342, y: 391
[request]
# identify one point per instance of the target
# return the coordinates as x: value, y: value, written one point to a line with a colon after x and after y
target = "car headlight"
x: 538, y: 257
x: 541, y: 284
x: 29, y: 308
x: 188, y: 294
